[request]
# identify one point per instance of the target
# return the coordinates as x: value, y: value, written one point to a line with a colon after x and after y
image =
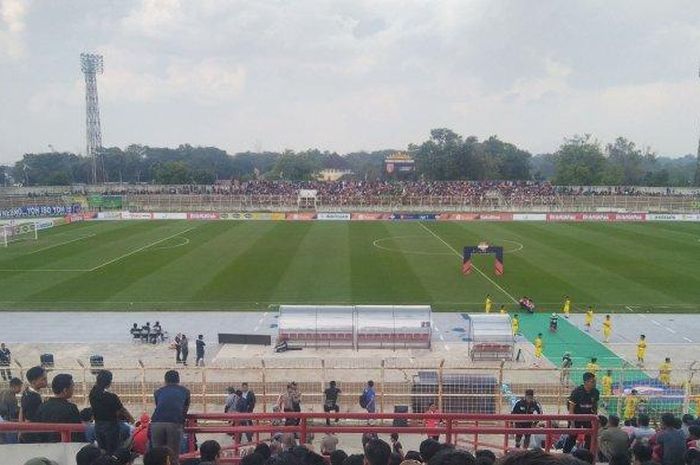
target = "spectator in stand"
x: 395, y: 459
x: 485, y: 456
x: 248, y: 397
x: 413, y: 455
x: 431, y: 423
x: 354, y: 459
x: 5, y: 360
x: 158, y: 455
x: 172, y: 404
x: 139, y: 439
x: 178, y: 348
x: 88, y: 454
x: 184, y: 348
x: 87, y: 419
x: 642, y: 454
x: 396, y: 446
x: 620, y: 459
x: 58, y: 409
x: 124, y: 456
x: 40, y: 461
x: 330, y: 401
x: 108, y: 411
x: 687, y: 420
x: 158, y: 332
x: 583, y: 400
x: 428, y: 448
x: 584, y: 455
x: 642, y: 433
x: 329, y: 443
x: 263, y: 449
x: 370, y: 397
x: 449, y: 456
x: 693, y: 441
x: 670, y: 442
x: 31, y: 401
x: 210, y: 452
x: 338, y: 457
x: 527, y: 405
x: 9, y: 408
x: 377, y: 452
x: 200, y: 344
x: 613, y: 441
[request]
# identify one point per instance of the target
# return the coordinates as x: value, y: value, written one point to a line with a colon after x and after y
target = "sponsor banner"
x: 370, y: 216
x: 33, y: 211
x: 277, y: 216
x: 458, y: 216
x: 333, y: 216
x: 597, y: 216
x: 169, y: 216
x: 529, y: 217
x: 44, y: 224
x: 673, y: 217
x: 251, y: 216
x: 137, y: 216
x: 300, y: 216
x: 496, y: 217
x: 203, y: 216
x: 628, y: 217
x: 564, y: 217
x: 414, y: 216
x: 109, y: 215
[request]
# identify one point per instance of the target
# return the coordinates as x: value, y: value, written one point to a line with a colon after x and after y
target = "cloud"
x: 12, y: 25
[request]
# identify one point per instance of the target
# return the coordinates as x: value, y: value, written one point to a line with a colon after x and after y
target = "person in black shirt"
x: 526, y: 406
x: 200, y: 351
x: 330, y: 402
x: 184, y: 348
x: 31, y: 401
x: 583, y: 401
x: 5, y: 359
x: 57, y: 409
x: 108, y: 410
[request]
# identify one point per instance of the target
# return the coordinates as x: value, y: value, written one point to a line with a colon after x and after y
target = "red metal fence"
x: 476, y: 430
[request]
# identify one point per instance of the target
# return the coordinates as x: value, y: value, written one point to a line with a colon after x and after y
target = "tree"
x: 625, y: 162
x: 580, y: 161
x: 175, y: 172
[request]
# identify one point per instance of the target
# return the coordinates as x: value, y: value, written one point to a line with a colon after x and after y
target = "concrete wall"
x: 17, y: 454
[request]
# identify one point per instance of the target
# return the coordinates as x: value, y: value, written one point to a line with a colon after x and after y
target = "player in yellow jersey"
x: 631, y: 403
x: 593, y: 366
x: 515, y: 324
x: 606, y: 383
x: 566, y: 308
x: 503, y: 310
x: 641, y: 349
x: 589, y: 319
x: 488, y: 303
x: 539, y: 346
x: 607, y: 328
x: 665, y: 371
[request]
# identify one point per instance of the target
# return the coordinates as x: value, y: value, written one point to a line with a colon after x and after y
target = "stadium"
x: 453, y: 302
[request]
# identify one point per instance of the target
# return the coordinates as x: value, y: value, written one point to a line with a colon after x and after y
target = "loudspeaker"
x: 399, y: 422
x: 46, y: 360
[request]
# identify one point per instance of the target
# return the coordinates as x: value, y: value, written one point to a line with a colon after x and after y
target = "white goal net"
x: 17, y: 232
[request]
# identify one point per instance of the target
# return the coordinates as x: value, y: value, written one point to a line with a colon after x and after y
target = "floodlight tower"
x: 697, y: 163
x: 92, y: 65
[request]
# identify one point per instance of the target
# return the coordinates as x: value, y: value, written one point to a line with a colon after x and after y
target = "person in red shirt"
x: 432, y: 422
x: 140, y: 437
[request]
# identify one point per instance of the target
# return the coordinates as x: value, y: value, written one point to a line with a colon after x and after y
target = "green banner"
x: 108, y: 202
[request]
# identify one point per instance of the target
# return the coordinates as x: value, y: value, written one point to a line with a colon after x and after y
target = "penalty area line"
x: 62, y: 243
x: 459, y: 255
x: 121, y: 257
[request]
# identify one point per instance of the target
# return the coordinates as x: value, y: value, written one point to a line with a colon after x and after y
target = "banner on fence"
x: 458, y: 216
x: 300, y: 216
x: 529, y: 217
x: 203, y: 216
x: 39, y: 211
x: 109, y: 215
x: 137, y: 216
x: 333, y: 216
x: 251, y: 216
x: 414, y: 216
x: 110, y: 202
x: 169, y: 216
x: 370, y: 216
x: 496, y: 217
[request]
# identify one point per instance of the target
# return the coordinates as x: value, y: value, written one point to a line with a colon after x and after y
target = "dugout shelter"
x: 356, y: 327
x: 491, y: 337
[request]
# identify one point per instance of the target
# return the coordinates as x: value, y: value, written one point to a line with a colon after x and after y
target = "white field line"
x: 459, y: 255
x: 128, y: 254
x: 61, y: 243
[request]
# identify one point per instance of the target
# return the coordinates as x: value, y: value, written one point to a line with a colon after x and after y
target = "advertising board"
x: 333, y: 216
x: 203, y: 216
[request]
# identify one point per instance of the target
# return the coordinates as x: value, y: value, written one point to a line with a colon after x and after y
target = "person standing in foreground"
x: 665, y: 371
x: 58, y: 409
x: 369, y: 397
x: 671, y: 440
x: 248, y: 398
x: 526, y: 406
x: 184, y: 348
x: 583, y: 401
x: 172, y: 404
x: 200, y: 351
x: 108, y: 411
x: 5, y: 359
x: 31, y: 401
x: 330, y: 401
x: 641, y: 349
x: 588, y: 321
x: 9, y: 408
x: 178, y: 348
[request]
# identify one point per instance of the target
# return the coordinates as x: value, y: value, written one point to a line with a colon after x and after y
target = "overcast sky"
x: 350, y: 75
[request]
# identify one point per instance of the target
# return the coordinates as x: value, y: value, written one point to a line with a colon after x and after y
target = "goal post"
x: 17, y: 232
x: 484, y: 248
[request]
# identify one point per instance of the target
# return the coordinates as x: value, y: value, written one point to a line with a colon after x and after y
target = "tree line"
x: 445, y: 155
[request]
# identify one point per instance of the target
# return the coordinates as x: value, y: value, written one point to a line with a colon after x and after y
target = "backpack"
x: 363, y: 399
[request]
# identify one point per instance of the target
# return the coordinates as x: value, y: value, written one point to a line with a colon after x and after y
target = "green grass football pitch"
x: 229, y: 265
